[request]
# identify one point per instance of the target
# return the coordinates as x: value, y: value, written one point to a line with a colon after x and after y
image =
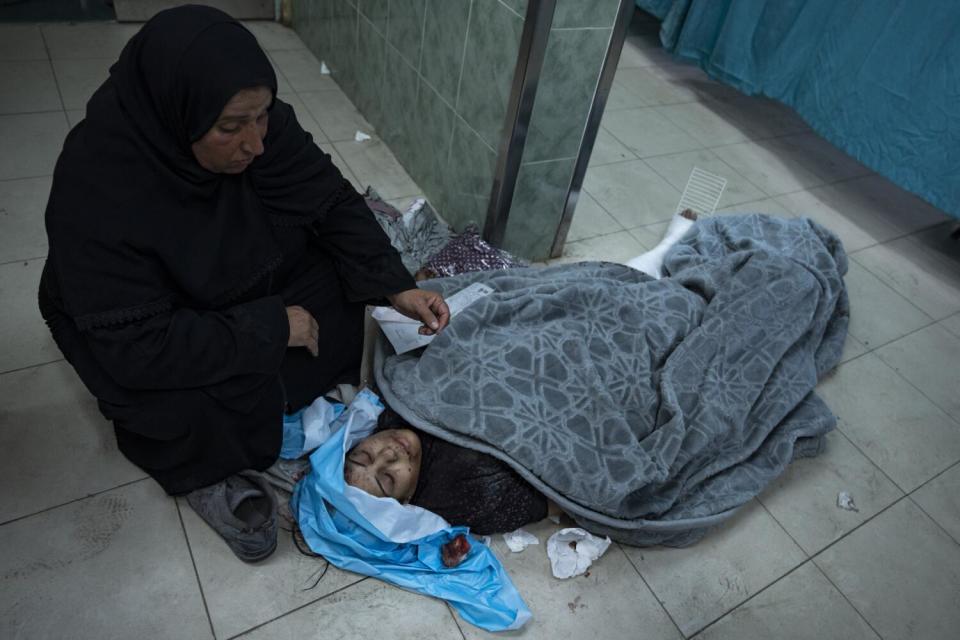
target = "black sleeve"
x: 185, y: 348
x: 298, y: 184
x: 367, y: 264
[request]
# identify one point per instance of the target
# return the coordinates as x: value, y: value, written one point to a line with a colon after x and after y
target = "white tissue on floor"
x: 845, y: 501
x: 572, y: 551
x: 651, y: 262
x: 360, y: 136
x: 519, y: 540
x: 324, y: 69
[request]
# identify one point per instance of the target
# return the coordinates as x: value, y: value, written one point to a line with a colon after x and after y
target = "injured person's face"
x: 385, y: 464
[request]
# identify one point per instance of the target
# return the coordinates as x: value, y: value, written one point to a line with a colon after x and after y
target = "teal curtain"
x: 878, y: 78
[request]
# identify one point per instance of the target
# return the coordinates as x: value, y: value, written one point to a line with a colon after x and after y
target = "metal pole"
x: 607, y: 72
x: 526, y: 77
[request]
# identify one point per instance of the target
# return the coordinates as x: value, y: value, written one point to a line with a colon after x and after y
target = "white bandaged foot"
x: 651, y: 262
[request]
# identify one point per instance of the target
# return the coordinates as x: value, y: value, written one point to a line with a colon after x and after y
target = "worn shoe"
x: 243, y: 510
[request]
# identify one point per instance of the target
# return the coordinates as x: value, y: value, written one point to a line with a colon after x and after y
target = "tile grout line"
x: 924, y: 511
x: 869, y: 459
x: 298, y: 608
x: 196, y: 573
x: 463, y: 57
x: 45, y: 175
x: 873, y: 349
x: 883, y: 282
x: 23, y: 260
x: 31, y: 366
x: 705, y: 101
x: 946, y: 412
x: 332, y: 142
x: 510, y: 9
x: 41, y: 112
x: 453, y: 615
x: 56, y: 81
x: 768, y: 197
x: 846, y: 598
x: 423, y: 42
x: 780, y: 524
x: 843, y: 537
x: 941, y: 260
x: 69, y: 502
x: 751, y: 597
x: 807, y: 558
x: 650, y: 589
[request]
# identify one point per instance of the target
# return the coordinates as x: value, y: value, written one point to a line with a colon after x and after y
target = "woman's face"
x: 236, y: 138
x: 386, y: 464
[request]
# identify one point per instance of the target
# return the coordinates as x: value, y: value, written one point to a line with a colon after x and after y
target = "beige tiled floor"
x: 93, y: 549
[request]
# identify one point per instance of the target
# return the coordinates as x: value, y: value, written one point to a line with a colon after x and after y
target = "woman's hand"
x: 304, y: 331
x: 425, y: 306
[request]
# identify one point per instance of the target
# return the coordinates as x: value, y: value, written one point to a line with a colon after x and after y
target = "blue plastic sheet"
x: 306, y: 429
x: 400, y: 544
x: 877, y: 79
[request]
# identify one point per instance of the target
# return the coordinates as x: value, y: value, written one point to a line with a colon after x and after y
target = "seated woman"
x: 208, y: 266
x: 463, y: 486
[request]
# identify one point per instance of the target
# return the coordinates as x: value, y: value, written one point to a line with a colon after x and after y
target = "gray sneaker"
x: 243, y: 510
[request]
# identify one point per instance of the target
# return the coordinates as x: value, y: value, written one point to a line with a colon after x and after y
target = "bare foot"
x: 688, y: 214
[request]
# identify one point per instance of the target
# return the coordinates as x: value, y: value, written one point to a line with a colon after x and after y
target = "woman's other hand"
x: 304, y: 331
x: 428, y: 307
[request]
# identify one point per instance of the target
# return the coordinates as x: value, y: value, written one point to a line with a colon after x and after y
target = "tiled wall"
x: 575, y: 52
x: 434, y: 77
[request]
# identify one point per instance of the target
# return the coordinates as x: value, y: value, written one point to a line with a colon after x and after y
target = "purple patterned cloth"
x: 469, y: 252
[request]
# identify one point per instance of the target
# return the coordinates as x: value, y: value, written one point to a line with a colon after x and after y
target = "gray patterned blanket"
x: 650, y: 410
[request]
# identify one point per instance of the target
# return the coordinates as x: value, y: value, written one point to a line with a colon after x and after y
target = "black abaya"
x: 166, y: 285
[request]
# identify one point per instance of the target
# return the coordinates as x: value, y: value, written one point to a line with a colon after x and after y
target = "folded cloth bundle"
x: 466, y: 253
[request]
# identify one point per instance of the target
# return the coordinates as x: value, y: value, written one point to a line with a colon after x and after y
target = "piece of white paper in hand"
x: 519, y: 540
x: 404, y: 333
x: 572, y: 551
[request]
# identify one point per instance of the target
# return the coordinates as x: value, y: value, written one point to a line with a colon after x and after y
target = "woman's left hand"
x: 425, y: 306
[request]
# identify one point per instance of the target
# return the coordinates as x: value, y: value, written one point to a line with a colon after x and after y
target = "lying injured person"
x: 463, y: 486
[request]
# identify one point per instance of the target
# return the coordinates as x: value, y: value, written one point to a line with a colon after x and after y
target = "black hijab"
x: 136, y: 225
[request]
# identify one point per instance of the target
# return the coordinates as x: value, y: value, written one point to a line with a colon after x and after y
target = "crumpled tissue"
x: 573, y: 550
x: 519, y: 540
x: 845, y: 501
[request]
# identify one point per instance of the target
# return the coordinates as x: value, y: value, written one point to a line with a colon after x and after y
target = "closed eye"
x: 389, y: 482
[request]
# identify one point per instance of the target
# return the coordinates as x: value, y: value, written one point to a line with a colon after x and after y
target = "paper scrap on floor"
x: 845, y: 501
x: 572, y: 551
x: 404, y: 333
x: 519, y: 540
